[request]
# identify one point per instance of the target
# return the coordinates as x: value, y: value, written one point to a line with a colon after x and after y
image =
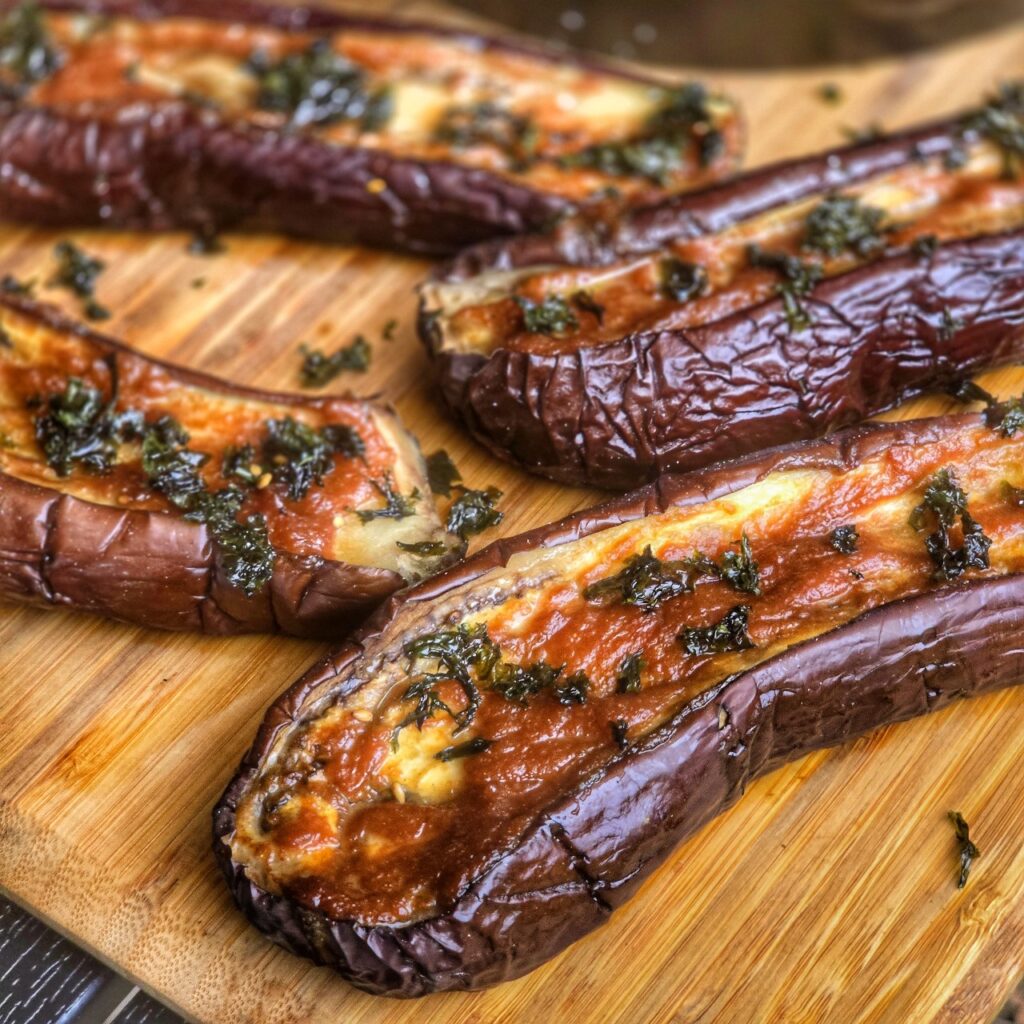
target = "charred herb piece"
x: 552, y: 316
x: 573, y: 690
x: 1005, y: 417
x: 10, y: 285
x: 946, y: 502
x: 77, y: 271
x: 729, y: 634
x: 628, y: 680
x: 487, y: 123
x: 170, y: 466
x: 319, y: 87
x: 246, y: 554
x: 924, y: 246
x: 740, y: 570
x: 301, y: 456
x: 319, y: 369
x: 442, y: 473
x: 396, y: 506
x: 477, y: 745
x: 387, y: 332
x: 472, y: 512
x: 423, y: 548
x: 968, y: 851
x: 619, y: 729
x: 798, y: 279
x: 682, y: 281
x: 647, y: 581
x: 79, y: 427
x: 844, y: 539
x: 27, y: 53
x: 517, y: 683
x: 588, y: 304
x: 843, y: 223
x: 1001, y: 121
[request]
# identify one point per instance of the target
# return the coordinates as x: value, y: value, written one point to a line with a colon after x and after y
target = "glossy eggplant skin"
x: 589, y: 852
x: 619, y: 414
x: 160, y: 570
x: 174, y: 165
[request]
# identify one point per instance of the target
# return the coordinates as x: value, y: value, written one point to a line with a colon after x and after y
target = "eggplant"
x: 791, y: 301
x: 163, y: 497
x: 157, y: 114
x: 497, y: 760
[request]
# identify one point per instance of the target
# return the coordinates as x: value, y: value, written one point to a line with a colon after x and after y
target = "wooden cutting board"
x: 827, y: 894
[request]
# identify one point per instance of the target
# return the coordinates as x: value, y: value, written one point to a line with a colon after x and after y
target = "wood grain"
x: 827, y: 894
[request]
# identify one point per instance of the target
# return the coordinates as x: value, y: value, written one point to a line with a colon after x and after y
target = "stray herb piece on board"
x: 442, y: 473
x: 319, y: 369
x: 968, y: 851
x: 473, y: 511
x: 77, y: 271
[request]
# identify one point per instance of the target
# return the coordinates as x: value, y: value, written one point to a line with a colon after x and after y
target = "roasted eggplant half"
x: 794, y: 300
x: 499, y: 758
x: 183, y: 113
x: 160, y: 496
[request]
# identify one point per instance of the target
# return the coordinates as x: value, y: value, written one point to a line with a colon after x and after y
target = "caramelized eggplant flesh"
x: 786, y: 303
x: 160, y: 496
x: 182, y: 113
x: 504, y: 752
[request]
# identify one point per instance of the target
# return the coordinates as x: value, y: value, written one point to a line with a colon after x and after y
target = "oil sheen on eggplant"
x: 791, y: 301
x: 504, y: 752
x: 204, y: 116
x: 113, y: 467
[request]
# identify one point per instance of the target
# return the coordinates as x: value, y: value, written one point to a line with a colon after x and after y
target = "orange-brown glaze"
x: 346, y: 838
x: 108, y: 64
x: 934, y: 200
x: 39, y: 364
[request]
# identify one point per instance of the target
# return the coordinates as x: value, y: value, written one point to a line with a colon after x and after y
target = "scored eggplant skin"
x: 166, y: 166
x: 160, y: 570
x: 618, y: 414
x: 587, y: 854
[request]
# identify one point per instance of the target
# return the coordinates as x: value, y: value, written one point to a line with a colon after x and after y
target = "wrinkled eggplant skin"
x: 587, y: 854
x: 619, y: 414
x: 171, y: 165
x: 160, y: 570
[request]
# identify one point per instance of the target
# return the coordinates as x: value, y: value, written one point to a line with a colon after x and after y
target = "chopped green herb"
x: 396, y: 506
x: 27, y: 53
x: 301, y: 456
x: 628, y: 678
x: 423, y: 548
x: 319, y: 369
x: 681, y: 281
x: 829, y: 92
x: 740, y: 570
x: 729, y: 634
x: 552, y: 316
x: 685, y: 111
x: 573, y: 690
x: 78, y: 427
x: 477, y: 745
x: 442, y: 473
x: 487, y: 123
x: 171, y: 467
x: 387, y: 332
x: 10, y: 285
x: 246, y: 554
x: 1001, y: 121
x: 798, y: 279
x: 239, y: 463
x: 472, y: 512
x: 844, y: 539
x: 923, y: 247
x: 840, y: 223
x: 318, y: 87
x: 77, y: 271
x: 619, y: 729
x: 517, y: 683
x: 1005, y: 417
x: 945, y: 501
x: 968, y: 851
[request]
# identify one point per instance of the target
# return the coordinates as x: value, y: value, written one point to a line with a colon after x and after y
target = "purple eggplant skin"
x: 176, y: 166
x: 618, y: 415
x: 159, y: 570
x: 587, y: 854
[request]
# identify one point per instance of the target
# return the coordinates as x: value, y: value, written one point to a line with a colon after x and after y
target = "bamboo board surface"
x: 826, y: 894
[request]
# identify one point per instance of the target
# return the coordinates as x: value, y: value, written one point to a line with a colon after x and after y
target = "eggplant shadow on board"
x: 344, y: 127
x: 160, y: 496
x: 483, y: 773
x: 791, y: 301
